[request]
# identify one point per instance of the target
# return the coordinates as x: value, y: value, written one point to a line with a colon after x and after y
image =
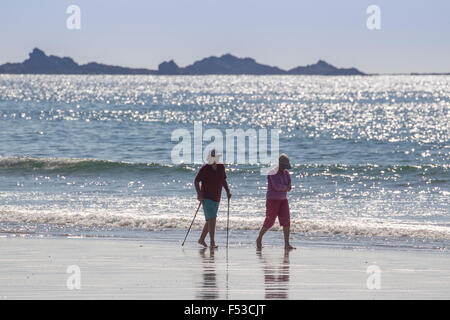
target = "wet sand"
x: 33, y: 268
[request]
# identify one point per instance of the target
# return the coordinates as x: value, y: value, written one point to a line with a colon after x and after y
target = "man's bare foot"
x: 259, y: 244
x: 203, y: 243
x: 289, y: 247
x: 214, y: 246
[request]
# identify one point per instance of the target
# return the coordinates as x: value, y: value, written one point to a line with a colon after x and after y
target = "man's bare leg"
x: 287, y: 245
x: 212, y: 231
x: 259, y: 240
x: 203, y: 235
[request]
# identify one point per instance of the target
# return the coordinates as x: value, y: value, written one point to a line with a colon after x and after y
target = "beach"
x: 37, y: 268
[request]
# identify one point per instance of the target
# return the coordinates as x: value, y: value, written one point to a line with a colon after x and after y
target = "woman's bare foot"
x: 289, y: 247
x: 259, y: 244
x: 203, y: 243
x: 214, y: 246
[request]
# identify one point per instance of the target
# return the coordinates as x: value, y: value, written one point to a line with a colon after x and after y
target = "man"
x: 278, y: 184
x: 212, y: 177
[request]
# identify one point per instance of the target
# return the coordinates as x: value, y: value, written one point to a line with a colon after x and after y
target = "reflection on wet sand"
x: 276, y: 276
x: 208, y: 288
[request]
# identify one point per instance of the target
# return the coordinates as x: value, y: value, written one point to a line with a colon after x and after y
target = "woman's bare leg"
x: 287, y: 231
x: 259, y: 240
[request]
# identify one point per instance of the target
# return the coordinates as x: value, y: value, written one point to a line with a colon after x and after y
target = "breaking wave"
x: 21, y: 165
x: 308, y: 226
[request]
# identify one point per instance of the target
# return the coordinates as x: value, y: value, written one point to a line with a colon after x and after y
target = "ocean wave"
x: 343, y: 227
x: 21, y: 164
x: 74, y: 165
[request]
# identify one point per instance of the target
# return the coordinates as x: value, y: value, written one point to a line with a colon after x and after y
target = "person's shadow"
x: 208, y: 288
x: 276, y: 276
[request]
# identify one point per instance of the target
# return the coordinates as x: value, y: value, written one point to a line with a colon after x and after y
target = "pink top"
x: 276, y: 184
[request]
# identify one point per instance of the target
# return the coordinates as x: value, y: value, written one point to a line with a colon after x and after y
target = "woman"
x: 278, y: 185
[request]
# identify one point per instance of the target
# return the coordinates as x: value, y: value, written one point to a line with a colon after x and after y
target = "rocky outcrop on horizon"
x: 324, y: 68
x: 227, y: 64
x: 39, y: 63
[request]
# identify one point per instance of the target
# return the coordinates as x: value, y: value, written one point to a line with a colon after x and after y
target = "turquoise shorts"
x: 210, y: 208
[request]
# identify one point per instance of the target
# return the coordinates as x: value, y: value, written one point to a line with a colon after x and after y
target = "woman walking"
x: 278, y: 185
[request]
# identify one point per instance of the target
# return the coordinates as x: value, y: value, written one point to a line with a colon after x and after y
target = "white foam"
x: 347, y: 227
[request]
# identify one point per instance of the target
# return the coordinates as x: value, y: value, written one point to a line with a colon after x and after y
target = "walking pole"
x: 191, y: 223
x: 228, y: 220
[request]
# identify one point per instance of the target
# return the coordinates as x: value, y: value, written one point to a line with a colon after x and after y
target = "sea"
x: 92, y: 156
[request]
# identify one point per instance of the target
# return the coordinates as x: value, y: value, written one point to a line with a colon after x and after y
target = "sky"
x: 414, y: 35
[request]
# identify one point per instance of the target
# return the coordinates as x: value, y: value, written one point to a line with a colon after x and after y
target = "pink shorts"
x: 277, y: 208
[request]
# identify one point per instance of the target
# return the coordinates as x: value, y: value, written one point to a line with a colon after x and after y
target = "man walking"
x: 212, y: 177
